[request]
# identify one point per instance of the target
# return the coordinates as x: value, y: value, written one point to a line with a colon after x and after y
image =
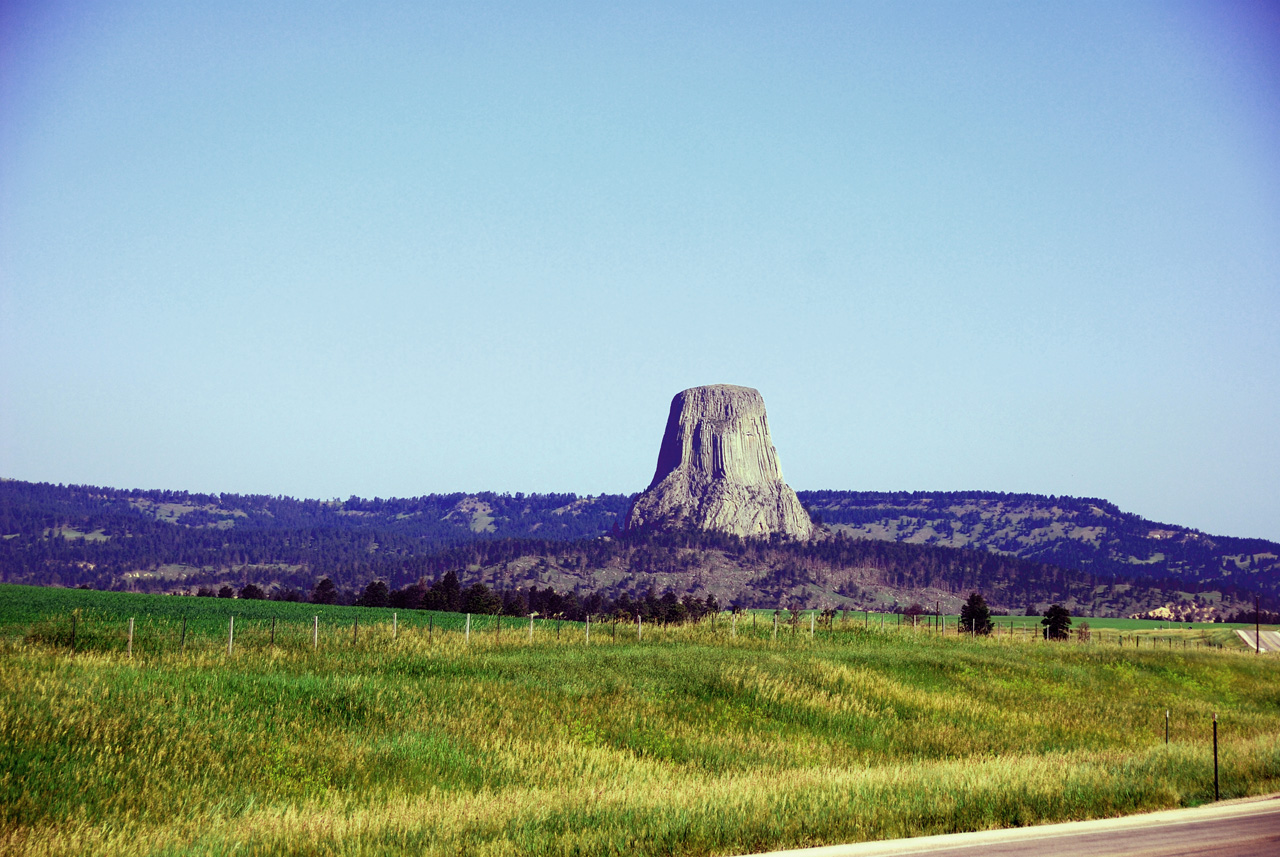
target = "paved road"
x: 1270, y: 640
x: 1243, y: 828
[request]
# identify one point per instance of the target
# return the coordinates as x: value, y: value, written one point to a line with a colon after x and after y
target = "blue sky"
x: 324, y: 249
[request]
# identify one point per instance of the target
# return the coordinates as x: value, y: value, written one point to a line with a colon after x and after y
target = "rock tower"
x: 718, y: 470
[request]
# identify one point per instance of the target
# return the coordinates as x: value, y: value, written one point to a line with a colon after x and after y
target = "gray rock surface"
x: 718, y: 470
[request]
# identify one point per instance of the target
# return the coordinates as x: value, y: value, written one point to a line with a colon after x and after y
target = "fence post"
x: 231, y: 633
x: 130, y: 646
x: 811, y: 624
x: 355, y: 631
x: 468, y: 628
x: 639, y: 628
x: 775, y: 625
x: 1215, y: 755
x: 734, y: 631
x: 1166, y: 727
x: 530, y: 627
x: 273, y: 631
x: 588, y: 629
x: 315, y: 633
x: 497, y: 627
x: 394, y: 629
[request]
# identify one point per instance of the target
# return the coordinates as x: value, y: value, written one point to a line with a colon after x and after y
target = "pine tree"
x: 975, y: 616
x: 1057, y: 622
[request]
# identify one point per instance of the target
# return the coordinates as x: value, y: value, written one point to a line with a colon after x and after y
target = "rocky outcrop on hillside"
x: 1089, y: 534
x: 718, y: 470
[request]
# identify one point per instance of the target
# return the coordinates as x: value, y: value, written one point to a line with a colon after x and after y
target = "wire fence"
x: 197, y: 631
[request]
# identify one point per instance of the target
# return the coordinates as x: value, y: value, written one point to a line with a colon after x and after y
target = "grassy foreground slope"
x: 686, y: 742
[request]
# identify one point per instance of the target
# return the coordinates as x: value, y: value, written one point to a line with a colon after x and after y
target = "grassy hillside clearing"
x: 690, y: 741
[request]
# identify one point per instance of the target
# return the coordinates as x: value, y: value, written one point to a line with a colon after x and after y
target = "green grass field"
x: 688, y: 741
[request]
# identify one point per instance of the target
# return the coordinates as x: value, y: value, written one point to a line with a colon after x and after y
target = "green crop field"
x: 688, y: 740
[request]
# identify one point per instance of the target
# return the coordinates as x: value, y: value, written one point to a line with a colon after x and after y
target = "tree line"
x: 447, y: 594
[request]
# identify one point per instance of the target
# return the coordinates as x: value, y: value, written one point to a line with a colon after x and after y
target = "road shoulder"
x: 1261, y: 804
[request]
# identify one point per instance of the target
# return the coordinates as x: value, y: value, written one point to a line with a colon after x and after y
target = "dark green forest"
x: 171, y: 540
x: 1086, y: 534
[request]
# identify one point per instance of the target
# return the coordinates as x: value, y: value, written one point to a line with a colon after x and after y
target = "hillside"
x: 881, y: 551
x: 1085, y: 534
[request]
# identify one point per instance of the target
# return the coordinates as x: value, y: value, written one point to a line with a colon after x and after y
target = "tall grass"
x: 689, y: 741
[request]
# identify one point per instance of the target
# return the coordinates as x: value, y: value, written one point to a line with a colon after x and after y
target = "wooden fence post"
x: 273, y: 632
x: 231, y: 633
x: 775, y: 625
x: 811, y: 624
x: 588, y: 629
x: 1215, y: 755
x: 129, y: 648
x: 468, y: 632
x: 1166, y: 727
x: 734, y: 631
x: 355, y: 631
x: 639, y: 628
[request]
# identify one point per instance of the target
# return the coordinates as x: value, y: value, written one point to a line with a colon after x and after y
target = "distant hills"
x: 1088, y: 535
x: 882, y: 550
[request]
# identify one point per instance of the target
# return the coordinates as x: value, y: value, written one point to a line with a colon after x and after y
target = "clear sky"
x: 391, y: 249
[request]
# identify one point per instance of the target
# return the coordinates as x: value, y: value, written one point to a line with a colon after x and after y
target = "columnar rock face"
x: 718, y: 470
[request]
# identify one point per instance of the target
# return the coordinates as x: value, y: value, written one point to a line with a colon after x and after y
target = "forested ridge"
x: 72, y: 535
x: 1087, y: 534
x: 882, y: 549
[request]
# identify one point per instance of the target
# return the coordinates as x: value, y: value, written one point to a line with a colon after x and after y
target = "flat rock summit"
x: 718, y: 470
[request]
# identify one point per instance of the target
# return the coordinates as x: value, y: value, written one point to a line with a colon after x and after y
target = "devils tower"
x: 718, y: 470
